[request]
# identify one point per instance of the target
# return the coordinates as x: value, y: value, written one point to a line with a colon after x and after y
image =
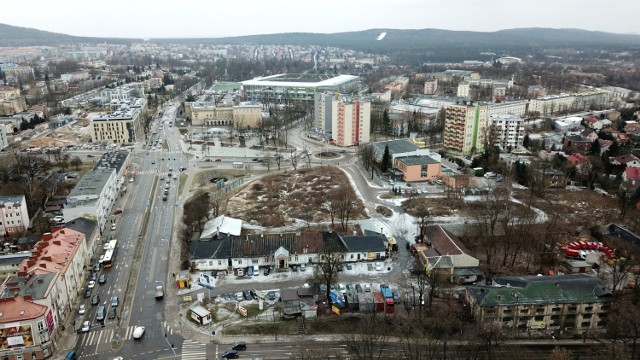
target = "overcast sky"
x: 218, y: 18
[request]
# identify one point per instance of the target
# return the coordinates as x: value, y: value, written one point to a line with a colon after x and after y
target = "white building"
x: 510, y: 130
x: 14, y: 217
x: 510, y: 107
x: 463, y: 89
x: 93, y: 196
x: 347, y: 120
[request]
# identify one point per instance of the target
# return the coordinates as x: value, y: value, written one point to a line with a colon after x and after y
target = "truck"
x: 159, y: 292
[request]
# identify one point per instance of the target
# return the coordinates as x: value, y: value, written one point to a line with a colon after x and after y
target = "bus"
x: 110, y: 245
x: 107, y: 262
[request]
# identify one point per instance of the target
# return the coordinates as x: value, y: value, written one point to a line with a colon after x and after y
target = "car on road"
x: 218, y: 160
x: 112, y: 313
x: 254, y: 159
x: 82, y: 309
x: 100, y: 313
x: 115, y: 301
x: 95, y: 300
x: 89, y: 155
x: 91, y: 285
x: 118, y: 211
x: 164, y: 198
x: 86, y: 325
x: 271, y: 295
x: 378, y: 266
x: 230, y: 354
x: 94, y: 276
x: 138, y: 332
x: 358, y: 288
x: 240, y: 345
x: 113, y: 226
x: 87, y: 293
x: 102, y: 279
x: 166, y: 191
x: 96, y: 267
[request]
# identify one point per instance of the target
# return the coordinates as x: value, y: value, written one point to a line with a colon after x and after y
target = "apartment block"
x: 14, y: 217
x: 93, y: 196
x: 352, y: 125
x: 431, y: 87
x: 508, y: 130
x: 122, y: 126
x: 465, y: 125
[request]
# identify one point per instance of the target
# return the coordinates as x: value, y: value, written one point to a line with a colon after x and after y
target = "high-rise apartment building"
x: 508, y: 130
x: 464, y: 128
x: 352, y: 125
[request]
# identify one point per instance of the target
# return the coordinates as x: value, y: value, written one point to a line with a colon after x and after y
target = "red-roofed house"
x: 605, y: 145
x: 594, y: 123
x: 45, y: 289
x: 631, y: 176
x: 581, y: 162
x: 629, y: 160
x: 446, y: 254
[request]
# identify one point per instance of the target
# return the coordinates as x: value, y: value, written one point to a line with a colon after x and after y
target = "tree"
x: 526, y: 141
x: 346, y: 206
x: 367, y: 157
x: 368, y: 340
x: 326, y: 270
x: 31, y: 168
x: 294, y: 159
x: 423, y: 216
x: 332, y: 204
x: 61, y: 159
x: 385, y: 165
x: 196, y: 211
x: 595, y: 147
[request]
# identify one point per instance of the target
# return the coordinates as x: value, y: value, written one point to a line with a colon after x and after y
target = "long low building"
x: 285, y: 88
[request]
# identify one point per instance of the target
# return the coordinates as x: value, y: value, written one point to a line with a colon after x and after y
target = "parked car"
x: 218, y: 160
x: 349, y: 266
x: 91, y: 285
x: 367, y: 287
x: 239, y: 296
x: 294, y: 268
x: 101, y: 259
x: 271, y: 295
x: 138, y: 332
x: 240, y: 345
x: 102, y: 279
x: 87, y: 293
x: 82, y: 309
x: 378, y: 266
x: 303, y: 267
x: 396, y: 297
x: 113, y: 226
x: 358, y: 288
x: 94, y: 276
x: 164, y: 197
x: 240, y: 272
x: 118, y: 211
x: 95, y: 300
x: 96, y: 267
x: 266, y: 271
x: 250, y: 271
x: 247, y: 295
x: 115, y: 301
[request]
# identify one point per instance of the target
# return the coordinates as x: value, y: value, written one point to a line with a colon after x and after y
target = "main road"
x: 144, y: 231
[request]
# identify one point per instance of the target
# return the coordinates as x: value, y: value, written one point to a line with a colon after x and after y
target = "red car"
x: 218, y: 160
x: 118, y: 211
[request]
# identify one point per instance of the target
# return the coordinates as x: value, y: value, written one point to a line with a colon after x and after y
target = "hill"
x: 21, y: 36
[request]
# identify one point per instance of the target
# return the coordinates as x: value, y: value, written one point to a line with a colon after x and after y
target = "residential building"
x: 17, y: 72
x: 445, y: 254
x: 120, y: 161
x: 13, y: 105
x: 518, y: 108
x: 542, y: 305
x: 431, y: 87
x: 623, y: 241
x: 93, y: 196
x: 14, y: 217
x: 279, y: 251
x: 7, y: 92
x: 286, y: 88
x: 123, y: 126
x: 418, y: 168
x: 577, y: 142
x: 465, y: 125
x: 9, y: 263
x: 580, y: 161
x: 463, y: 89
x: 507, y: 129
x: 631, y: 177
x: 35, y: 302
x: 325, y: 108
x: 629, y: 160
x: 352, y: 125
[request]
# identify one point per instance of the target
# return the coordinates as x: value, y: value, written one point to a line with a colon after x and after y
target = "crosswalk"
x: 192, y: 350
x: 106, y: 336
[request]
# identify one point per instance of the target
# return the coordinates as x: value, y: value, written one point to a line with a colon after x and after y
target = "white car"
x: 58, y: 219
x: 91, y: 285
x: 82, y: 309
x: 85, y: 326
x: 113, y: 226
x: 378, y: 266
x: 138, y: 332
x: 101, y: 260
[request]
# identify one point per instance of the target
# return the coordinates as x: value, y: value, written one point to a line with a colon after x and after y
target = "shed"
x: 200, y: 314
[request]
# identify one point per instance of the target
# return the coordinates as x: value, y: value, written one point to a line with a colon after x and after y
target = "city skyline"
x: 196, y: 19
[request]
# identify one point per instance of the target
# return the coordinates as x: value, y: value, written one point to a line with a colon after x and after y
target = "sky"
x: 220, y: 18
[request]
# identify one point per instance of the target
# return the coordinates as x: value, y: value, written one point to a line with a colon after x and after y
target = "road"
x: 138, y: 304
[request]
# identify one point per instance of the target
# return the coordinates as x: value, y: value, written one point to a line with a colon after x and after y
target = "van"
x: 71, y: 355
x: 256, y: 270
x: 240, y: 272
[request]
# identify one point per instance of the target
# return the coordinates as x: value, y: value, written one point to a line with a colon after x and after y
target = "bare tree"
x: 219, y: 202
x: 32, y: 168
x: 346, y: 206
x: 267, y: 161
x: 368, y: 340
x: 294, y: 159
x: 61, y: 159
x: 367, y: 157
x: 326, y: 271
x: 75, y: 162
x: 423, y: 217
x: 332, y: 205
x: 278, y: 158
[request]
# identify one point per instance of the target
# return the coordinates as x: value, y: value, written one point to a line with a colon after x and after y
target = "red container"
x: 378, y: 299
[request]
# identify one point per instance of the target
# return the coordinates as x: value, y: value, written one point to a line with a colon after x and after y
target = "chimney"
x: 57, y: 242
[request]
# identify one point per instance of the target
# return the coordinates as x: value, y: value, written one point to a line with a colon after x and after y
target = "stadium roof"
x: 300, y: 80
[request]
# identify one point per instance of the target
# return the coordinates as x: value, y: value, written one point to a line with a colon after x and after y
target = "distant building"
x: 431, y: 87
x: 243, y: 116
x: 418, y: 168
x: 518, y: 108
x: 542, y: 305
x: 14, y: 217
x: 287, y: 88
x: 463, y: 89
x: 352, y: 125
x: 509, y: 130
x: 76, y: 76
x: 464, y: 128
x: 122, y: 126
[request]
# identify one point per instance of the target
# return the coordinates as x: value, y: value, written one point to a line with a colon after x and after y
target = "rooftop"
x: 11, y: 199
x: 112, y: 160
x: 92, y: 183
x: 301, y: 80
x: 417, y: 160
x: 396, y: 146
x: 541, y: 290
x: 18, y: 309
